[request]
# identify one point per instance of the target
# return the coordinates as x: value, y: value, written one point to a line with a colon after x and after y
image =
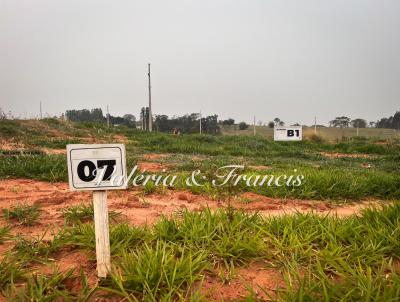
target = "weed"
x: 36, y: 248
x: 163, y: 272
x: 4, y: 233
x: 11, y: 270
x: 84, y: 213
x: 44, y: 288
x: 22, y: 213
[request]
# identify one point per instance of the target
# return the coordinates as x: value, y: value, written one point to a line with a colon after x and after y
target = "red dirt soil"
x: 139, y: 209
x: 263, y: 281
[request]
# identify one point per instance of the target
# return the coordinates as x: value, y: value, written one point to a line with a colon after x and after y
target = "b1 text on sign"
x: 96, y: 166
x: 292, y: 133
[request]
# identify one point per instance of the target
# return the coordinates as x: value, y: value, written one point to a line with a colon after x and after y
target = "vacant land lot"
x: 327, y: 133
x: 334, y: 238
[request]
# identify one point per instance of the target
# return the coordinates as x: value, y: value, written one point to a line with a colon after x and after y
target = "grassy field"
x: 293, y: 257
x: 326, y: 133
x: 348, y: 169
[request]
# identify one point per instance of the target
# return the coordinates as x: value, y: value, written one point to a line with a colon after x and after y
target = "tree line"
x: 190, y: 123
x: 96, y: 115
x: 392, y: 122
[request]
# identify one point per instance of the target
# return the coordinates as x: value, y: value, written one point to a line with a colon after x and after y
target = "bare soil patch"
x: 141, y: 209
x: 264, y: 281
x: 152, y: 167
x: 11, y: 145
x: 260, y: 168
x: 346, y: 155
x: 155, y: 156
x: 120, y: 138
x: 54, y: 151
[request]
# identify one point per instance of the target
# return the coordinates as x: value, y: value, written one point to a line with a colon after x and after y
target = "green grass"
x: 122, y: 236
x: 163, y: 271
x: 22, y: 214
x: 11, y: 270
x: 53, y: 287
x: 4, y: 233
x: 40, y: 167
x: 36, y: 249
x: 321, y: 257
x: 326, y: 178
x: 84, y: 213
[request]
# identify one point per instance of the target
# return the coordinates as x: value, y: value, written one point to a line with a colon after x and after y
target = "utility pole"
x: 254, y: 126
x: 41, y: 116
x: 315, y: 125
x: 108, y: 118
x: 150, y: 114
x: 200, y: 121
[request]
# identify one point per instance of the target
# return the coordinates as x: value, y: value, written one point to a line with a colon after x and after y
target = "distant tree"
x: 243, y: 126
x: 129, y: 117
x: 96, y: 115
x: 271, y: 124
x: 228, y: 122
x: 85, y: 115
x: 128, y: 120
x: 359, y: 123
x: 392, y: 122
x: 296, y: 124
x: 189, y: 123
x: 278, y: 121
x: 341, y: 122
x: 372, y: 124
x: 260, y: 123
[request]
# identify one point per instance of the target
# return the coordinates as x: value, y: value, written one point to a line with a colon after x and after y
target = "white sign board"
x: 292, y: 133
x: 96, y: 167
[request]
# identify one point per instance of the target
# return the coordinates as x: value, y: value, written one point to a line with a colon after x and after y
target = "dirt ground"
x: 139, y: 209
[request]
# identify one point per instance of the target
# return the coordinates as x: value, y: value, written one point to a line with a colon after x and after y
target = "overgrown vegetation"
x: 319, y: 257
x: 4, y: 233
x: 363, y: 168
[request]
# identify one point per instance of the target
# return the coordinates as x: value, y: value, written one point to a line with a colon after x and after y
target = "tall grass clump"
x: 4, y: 233
x: 84, y: 213
x: 154, y: 273
x: 23, y: 214
x: 41, y: 167
x: 232, y: 238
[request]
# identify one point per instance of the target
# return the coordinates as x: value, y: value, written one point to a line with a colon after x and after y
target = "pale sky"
x: 288, y: 59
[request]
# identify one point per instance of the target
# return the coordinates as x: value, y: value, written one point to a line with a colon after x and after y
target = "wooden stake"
x: 254, y: 126
x: 150, y: 111
x: 101, y: 231
x: 315, y: 125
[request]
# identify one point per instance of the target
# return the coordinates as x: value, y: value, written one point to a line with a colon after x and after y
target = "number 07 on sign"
x: 98, y: 168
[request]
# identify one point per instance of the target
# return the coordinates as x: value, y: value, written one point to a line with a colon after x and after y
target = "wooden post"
x: 101, y: 233
x: 254, y: 126
x: 150, y: 111
x: 315, y: 125
x: 200, y: 121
